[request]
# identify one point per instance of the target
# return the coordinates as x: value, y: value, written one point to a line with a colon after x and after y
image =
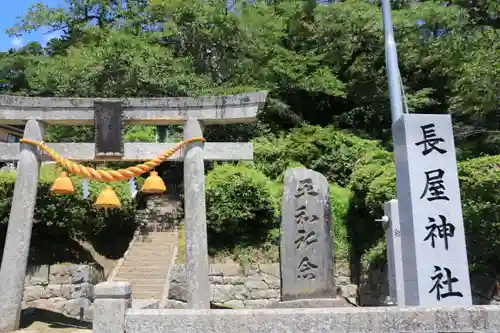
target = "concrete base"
x: 312, y: 303
x: 477, y: 319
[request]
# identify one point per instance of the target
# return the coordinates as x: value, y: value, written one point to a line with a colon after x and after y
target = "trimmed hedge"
x: 242, y: 206
x: 480, y: 188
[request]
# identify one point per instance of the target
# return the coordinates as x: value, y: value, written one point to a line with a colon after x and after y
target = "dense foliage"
x: 322, y: 63
x: 327, y: 109
x: 333, y: 153
x: 61, y: 222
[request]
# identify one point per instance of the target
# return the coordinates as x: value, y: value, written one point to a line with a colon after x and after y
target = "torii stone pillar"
x: 195, y: 219
x: 17, y: 241
x: 192, y: 112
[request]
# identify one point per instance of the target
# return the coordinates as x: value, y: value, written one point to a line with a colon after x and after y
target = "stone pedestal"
x: 112, y: 300
x: 338, y: 302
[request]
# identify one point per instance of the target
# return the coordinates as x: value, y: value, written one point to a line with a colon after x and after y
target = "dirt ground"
x: 44, y: 321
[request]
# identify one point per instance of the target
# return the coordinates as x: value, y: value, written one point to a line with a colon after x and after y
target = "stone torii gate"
x: 194, y: 113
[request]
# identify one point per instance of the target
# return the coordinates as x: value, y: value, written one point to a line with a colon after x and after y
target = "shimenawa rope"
x: 110, y: 175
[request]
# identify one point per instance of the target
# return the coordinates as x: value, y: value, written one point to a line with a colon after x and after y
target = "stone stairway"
x: 147, y: 263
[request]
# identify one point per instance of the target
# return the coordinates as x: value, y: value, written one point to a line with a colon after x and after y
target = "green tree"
x: 322, y: 64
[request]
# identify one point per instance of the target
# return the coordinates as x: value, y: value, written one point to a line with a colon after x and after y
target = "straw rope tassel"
x: 110, y: 175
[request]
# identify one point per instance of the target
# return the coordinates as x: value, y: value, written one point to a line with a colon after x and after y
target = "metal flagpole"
x: 391, y: 61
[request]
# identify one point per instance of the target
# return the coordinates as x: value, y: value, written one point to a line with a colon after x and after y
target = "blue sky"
x: 8, y: 17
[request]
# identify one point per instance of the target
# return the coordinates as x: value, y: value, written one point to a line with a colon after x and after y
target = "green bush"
x: 375, y: 257
x: 61, y: 221
x: 323, y: 149
x: 480, y: 185
x: 242, y: 206
x: 362, y: 230
x: 243, y: 210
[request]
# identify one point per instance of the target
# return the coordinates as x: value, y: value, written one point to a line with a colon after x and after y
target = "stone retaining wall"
x: 253, y: 286
x: 64, y: 288
x: 374, y: 288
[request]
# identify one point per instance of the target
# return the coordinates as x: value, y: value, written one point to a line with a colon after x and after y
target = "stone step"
x: 147, y: 262
x: 132, y: 279
x: 158, y: 242
x: 165, y: 235
x: 147, y: 289
x: 144, y: 304
x: 157, y: 248
x: 152, y: 251
x: 153, y: 266
x: 144, y: 263
x: 142, y: 274
x: 137, y: 281
x: 147, y: 295
x: 135, y: 275
x: 151, y: 256
x: 143, y: 269
x: 150, y: 240
x: 148, y: 253
x: 156, y: 245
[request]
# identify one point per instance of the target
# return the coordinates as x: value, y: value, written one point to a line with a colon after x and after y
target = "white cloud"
x: 50, y: 36
x: 17, y: 42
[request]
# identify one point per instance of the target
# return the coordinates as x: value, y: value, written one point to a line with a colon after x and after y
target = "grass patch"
x: 340, y: 198
x: 181, y: 248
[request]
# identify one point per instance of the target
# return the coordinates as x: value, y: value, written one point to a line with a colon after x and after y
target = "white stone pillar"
x: 112, y: 300
x: 394, y: 255
x: 17, y: 241
x: 435, y: 264
x: 195, y: 219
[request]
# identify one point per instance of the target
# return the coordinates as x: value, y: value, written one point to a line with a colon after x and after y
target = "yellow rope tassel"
x: 111, y: 175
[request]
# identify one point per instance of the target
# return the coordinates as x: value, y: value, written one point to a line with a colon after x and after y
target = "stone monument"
x: 306, y: 245
x: 194, y: 113
x: 434, y: 255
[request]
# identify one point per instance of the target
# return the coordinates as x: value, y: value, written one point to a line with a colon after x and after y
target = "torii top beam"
x: 241, y: 108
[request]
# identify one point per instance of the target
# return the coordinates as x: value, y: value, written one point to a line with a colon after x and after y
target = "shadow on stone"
x: 33, y: 317
x: 214, y: 306
x: 338, y: 302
